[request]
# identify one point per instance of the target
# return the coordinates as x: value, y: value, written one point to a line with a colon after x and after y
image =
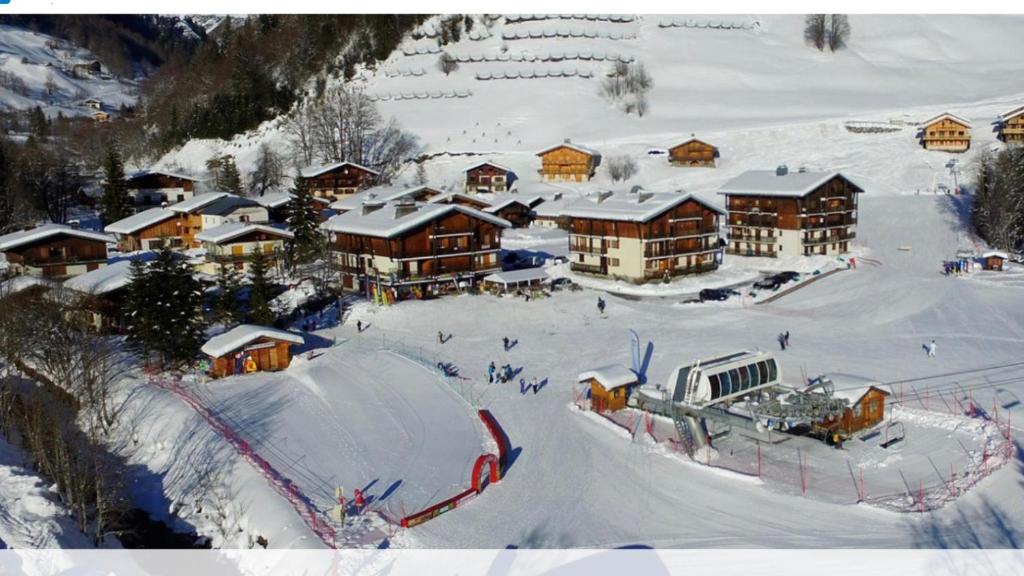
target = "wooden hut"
x: 1011, y: 126
x: 866, y: 408
x: 55, y: 250
x: 337, y: 180
x: 993, y: 260
x: 693, y: 152
x: 148, y: 230
x: 610, y: 387
x: 154, y: 187
x: 250, y: 348
x: 946, y: 132
x: 488, y: 177
x: 568, y: 162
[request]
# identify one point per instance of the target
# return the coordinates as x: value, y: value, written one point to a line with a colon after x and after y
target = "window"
x: 613, y: 243
x: 581, y: 258
x: 613, y: 262
x: 773, y: 371
x: 744, y: 377
x: 726, y: 383
x: 716, y: 386
x: 762, y: 372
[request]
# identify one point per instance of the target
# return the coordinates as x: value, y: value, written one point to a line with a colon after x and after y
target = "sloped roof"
x: 947, y: 115
x: 610, y: 377
x: 312, y: 171
x: 24, y: 282
x: 243, y: 335
x: 232, y: 230
x: 513, y: 276
x: 380, y: 194
x: 198, y: 201
x: 995, y: 254
x: 158, y: 172
x: 102, y: 280
x: 385, y: 222
x: 630, y: 206
x: 1012, y: 113
x: 226, y: 205
x: 689, y: 140
x: 487, y: 163
x: 498, y: 202
x: 136, y: 222
x: 275, y: 200
x: 23, y: 237
x: 770, y: 183
x: 577, y: 147
x: 450, y: 197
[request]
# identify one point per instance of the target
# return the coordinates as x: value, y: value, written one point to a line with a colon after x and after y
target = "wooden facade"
x: 693, y: 152
x: 155, y: 188
x: 866, y: 412
x: 268, y: 354
x: 1011, y: 127
x: 236, y: 251
x: 488, y: 177
x: 154, y: 236
x: 567, y: 162
x: 451, y: 247
x: 821, y: 222
x: 681, y: 240
x: 342, y: 180
x: 519, y: 214
x: 946, y: 133
x: 993, y: 262
x: 57, y: 256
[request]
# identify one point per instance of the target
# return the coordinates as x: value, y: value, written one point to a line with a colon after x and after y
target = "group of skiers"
x: 502, y: 375
x: 783, y: 339
x: 930, y: 349
x: 956, y: 267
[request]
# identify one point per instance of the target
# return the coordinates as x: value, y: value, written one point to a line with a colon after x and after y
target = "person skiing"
x: 358, y: 501
x: 440, y: 337
x: 786, y: 337
x: 782, y: 341
x: 359, y: 326
x: 600, y: 305
x: 490, y: 373
x: 504, y: 341
x: 931, y: 349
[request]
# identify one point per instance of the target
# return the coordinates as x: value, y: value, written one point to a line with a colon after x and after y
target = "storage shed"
x: 993, y: 260
x: 250, y: 348
x: 610, y: 387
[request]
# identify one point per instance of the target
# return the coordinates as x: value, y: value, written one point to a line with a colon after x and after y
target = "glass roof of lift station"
x: 725, y: 377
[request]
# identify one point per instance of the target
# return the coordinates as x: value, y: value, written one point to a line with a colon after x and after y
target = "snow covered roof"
x: 20, y: 283
x: 232, y: 230
x: 158, y: 172
x: 568, y: 144
x: 136, y: 222
x: 516, y: 276
x: 995, y: 254
x: 947, y: 116
x: 1012, y: 113
x: 275, y: 200
x: 23, y: 237
x: 380, y: 194
x: 198, y: 201
x: 102, y: 280
x: 393, y: 219
x: 689, y: 140
x: 852, y: 388
x: 243, y: 335
x: 771, y: 183
x: 499, y: 202
x: 610, y: 377
x: 226, y: 205
x: 312, y: 171
x: 637, y: 206
x: 451, y: 197
x: 487, y: 163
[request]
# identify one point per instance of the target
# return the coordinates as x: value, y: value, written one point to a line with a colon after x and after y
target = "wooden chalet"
x: 461, y: 199
x: 250, y: 348
x: 156, y: 187
x: 336, y: 180
x: 489, y: 177
x: 190, y: 217
x: 232, y: 208
x: 609, y: 387
x: 101, y: 116
x: 415, y: 248
x: 94, y: 103
x: 946, y: 132
x: 518, y: 210
x: 993, y: 260
x: 693, y: 152
x: 641, y: 236
x: 778, y: 212
x: 548, y: 213
x: 865, y: 409
x: 568, y: 162
x: 279, y: 204
x: 100, y: 296
x: 233, y: 243
x: 1011, y: 126
x: 54, y: 251
x: 148, y: 230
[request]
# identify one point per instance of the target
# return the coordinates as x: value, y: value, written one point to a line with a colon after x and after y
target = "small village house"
x: 517, y: 209
x: 865, y: 409
x: 779, y: 212
x: 336, y: 180
x: 414, y: 248
x: 148, y: 230
x: 250, y: 348
x: 94, y: 103
x: 489, y: 177
x: 191, y: 219
x: 639, y: 236
x: 548, y: 214
x: 385, y: 194
x: 568, y: 162
x: 100, y: 296
x: 232, y: 209
x: 232, y: 244
x: 693, y: 152
x: 609, y: 387
x: 54, y: 251
x: 278, y: 206
x: 993, y: 260
x: 946, y: 132
x: 1011, y: 126
x: 101, y: 116
x: 155, y: 187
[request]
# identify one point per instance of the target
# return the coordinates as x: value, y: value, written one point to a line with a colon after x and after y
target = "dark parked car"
x: 717, y: 294
x: 787, y: 276
x: 769, y: 283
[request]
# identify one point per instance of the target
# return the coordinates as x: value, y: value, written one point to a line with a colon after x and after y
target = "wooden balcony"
x: 753, y: 239
x: 830, y: 239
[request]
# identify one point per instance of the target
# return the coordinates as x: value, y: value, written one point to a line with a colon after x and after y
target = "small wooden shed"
x: 250, y: 348
x: 993, y: 260
x: 610, y: 387
x: 693, y: 152
x: 866, y: 408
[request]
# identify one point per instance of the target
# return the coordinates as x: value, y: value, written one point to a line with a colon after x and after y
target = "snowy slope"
x: 33, y: 58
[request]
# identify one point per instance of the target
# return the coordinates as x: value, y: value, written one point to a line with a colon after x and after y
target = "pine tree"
x: 260, y: 289
x: 115, y: 203
x: 421, y: 174
x: 140, y: 316
x: 226, y: 309
x: 229, y: 179
x: 304, y: 222
x: 38, y: 125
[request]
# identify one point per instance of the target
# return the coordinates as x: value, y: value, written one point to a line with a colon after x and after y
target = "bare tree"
x: 627, y: 85
x: 838, y: 31
x: 815, y: 30
x: 268, y: 173
x: 621, y: 168
x: 446, y: 63
x: 299, y: 126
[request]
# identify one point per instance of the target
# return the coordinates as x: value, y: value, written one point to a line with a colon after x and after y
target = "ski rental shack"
x: 610, y: 387
x: 250, y: 348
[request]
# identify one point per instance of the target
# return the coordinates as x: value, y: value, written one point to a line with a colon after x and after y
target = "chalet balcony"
x: 585, y: 249
x: 831, y: 223
x: 743, y: 251
x: 831, y: 239
x: 753, y: 222
x: 586, y: 268
x: 753, y: 239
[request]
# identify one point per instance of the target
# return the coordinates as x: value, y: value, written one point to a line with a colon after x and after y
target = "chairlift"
x: 893, y: 433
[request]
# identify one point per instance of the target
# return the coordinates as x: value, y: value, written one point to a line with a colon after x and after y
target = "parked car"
x: 788, y: 276
x: 657, y: 152
x: 717, y: 294
x: 769, y: 283
x: 560, y: 283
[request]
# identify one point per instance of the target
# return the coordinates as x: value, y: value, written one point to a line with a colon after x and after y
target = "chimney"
x: 636, y: 189
x: 782, y: 170
x: 558, y: 196
x: 371, y: 205
x: 404, y: 207
x: 567, y: 141
x: 73, y: 224
x: 802, y: 169
x: 643, y: 197
x: 602, y: 196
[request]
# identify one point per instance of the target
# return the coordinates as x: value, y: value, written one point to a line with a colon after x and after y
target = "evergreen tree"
x: 141, y: 328
x: 304, y: 222
x: 115, y: 203
x: 260, y: 289
x: 38, y: 125
x: 229, y: 179
x: 226, y: 309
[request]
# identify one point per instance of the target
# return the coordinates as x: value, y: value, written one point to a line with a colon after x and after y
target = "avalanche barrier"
x: 495, y: 467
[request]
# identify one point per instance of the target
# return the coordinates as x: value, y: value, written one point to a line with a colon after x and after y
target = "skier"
x: 359, y: 326
x: 358, y: 501
x: 931, y: 349
x: 853, y: 262
x: 490, y: 373
x: 504, y: 341
x: 782, y: 341
x: 440, y: 337
x: 600, y: 305
x: 786, y: 337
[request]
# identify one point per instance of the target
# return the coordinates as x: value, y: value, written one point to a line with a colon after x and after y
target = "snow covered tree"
x: 304, y: 222
x: 226, y: 308
x: 225, y: 174
x: 447, y: 63
x: 621, y: 167
x: 421, y: 174
x: 816, y: 30
x: 627, y: 85
x: 268, y: 173
x: 838, y: 31
x: 260, y: 292
x: 115, y: 203
x: 998, y: 210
